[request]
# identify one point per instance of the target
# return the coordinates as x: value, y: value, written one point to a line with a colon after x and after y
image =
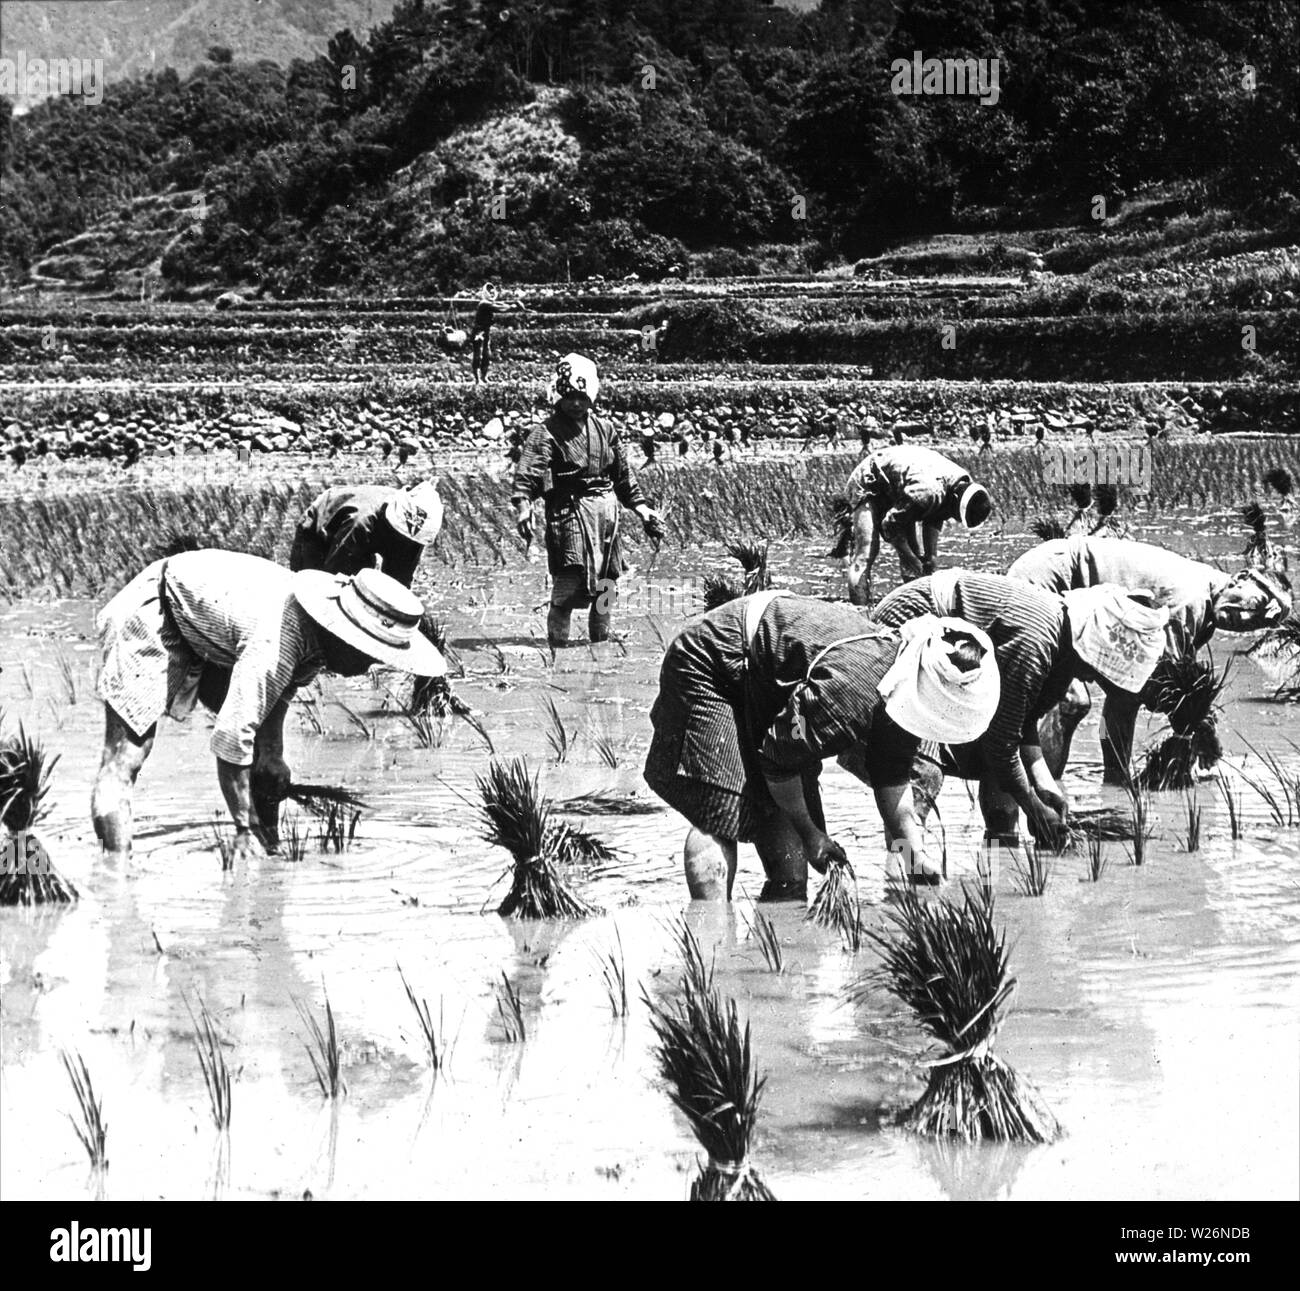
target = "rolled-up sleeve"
x: 269, y: 664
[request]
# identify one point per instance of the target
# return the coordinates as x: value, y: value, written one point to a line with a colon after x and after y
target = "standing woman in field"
x: 902, y: 494
x: 575, y: 461
x: 752, y: 698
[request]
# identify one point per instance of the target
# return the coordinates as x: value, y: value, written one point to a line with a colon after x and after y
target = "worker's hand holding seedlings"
x: 652, y: 523
x: 524, y: 519
x: 820, y: 849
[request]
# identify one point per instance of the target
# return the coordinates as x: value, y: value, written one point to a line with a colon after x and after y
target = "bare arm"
x: 898, y: 811
x: 819, y: 847
x: 236, y: 788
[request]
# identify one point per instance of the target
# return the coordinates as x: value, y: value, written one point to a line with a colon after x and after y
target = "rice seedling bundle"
x: 27, y: 876
x: 841, y: 515
x: 704, y: 1055
x: 836, y: 904
x: 719, y: 589
x: 1187, y: 690
x: 518, y: 818
x: 1258, y: 549
x: 948, y: 963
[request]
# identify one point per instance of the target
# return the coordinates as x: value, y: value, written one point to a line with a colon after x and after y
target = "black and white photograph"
x: 650, y: 600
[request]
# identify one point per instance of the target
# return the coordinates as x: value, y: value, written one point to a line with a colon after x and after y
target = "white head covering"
x: 574, y: 374
x: 969, y: 494
x: 928, y: 695
x: 1117, y: 635
x: 416, y: 513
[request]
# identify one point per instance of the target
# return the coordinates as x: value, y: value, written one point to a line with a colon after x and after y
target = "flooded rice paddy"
x: 1156, y: 1011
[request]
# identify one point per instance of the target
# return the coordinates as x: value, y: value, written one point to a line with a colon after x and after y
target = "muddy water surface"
x: 1157, y: 1009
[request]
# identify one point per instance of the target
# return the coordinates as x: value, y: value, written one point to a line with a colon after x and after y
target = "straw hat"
x: 372, y: 613
x: 574, y: 374
x: 416, y: 513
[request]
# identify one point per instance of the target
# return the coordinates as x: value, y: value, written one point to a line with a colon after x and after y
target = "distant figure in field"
x: 349, y: 528
x: 575, y: 460
x: 904, y: 493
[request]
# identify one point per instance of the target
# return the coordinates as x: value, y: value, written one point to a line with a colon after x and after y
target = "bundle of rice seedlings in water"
x: 27, y: 876
x: 1258, y: 549
x: 1047, y: 528
x: 1108, y: 824
x: 1081, y: 496
x: 519, y: 819
x: 753, y: 560
x: 719, y: 589
x: 1106, y: 500
x: 434, y: 695
x: 841, y: 513
x: 704, y: 1055
x: 1187, y: 689
x: 320, y: 798
x: 948, y: 964
x: 836, y: 904
x: 1278, y: 653
x: 1279, y: 479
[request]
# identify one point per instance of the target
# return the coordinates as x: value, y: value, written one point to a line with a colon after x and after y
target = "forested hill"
x: 530, y: 138
x: 132, y: 37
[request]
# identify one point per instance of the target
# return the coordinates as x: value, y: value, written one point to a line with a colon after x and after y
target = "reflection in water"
x: 973, y: 1171
x: 1158, y: 998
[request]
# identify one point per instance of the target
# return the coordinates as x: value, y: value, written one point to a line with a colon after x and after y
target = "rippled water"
x: 1156, y: 1011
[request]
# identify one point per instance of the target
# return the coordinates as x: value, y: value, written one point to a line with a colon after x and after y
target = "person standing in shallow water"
x: 575, y: 461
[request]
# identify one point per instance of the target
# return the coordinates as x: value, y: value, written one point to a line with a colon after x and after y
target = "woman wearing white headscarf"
x: 1200, y: 598
x: 575, y: 460
x: 1043, y: 643
x: 758, y: 692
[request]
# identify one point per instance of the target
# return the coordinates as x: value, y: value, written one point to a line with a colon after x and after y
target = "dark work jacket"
x: 344, y: 529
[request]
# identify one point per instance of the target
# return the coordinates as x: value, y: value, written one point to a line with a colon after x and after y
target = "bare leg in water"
x: 111, y: 801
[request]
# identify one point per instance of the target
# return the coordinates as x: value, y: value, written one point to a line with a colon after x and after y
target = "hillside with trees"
x: 465, y: 139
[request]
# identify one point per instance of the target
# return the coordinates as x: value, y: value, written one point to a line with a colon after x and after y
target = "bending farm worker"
x: 349, y: 528
x: 264, y: 632
x: 575, y: 461
x: 1200, y: 599
x: 1043, y: 643
x: 905, y: 494
x: 753, y: 696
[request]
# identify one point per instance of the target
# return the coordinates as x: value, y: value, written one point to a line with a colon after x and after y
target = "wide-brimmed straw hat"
x: 574, y: 374
x: 373, y: 613
x: 975, y: 506
x: 416, y: 513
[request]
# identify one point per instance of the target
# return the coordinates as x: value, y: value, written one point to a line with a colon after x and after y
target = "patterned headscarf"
x: 574, y: 374
x: 1120, y: 637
